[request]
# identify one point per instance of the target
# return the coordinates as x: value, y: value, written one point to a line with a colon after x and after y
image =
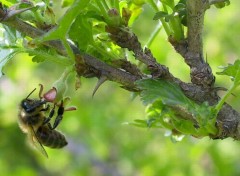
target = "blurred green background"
x: 100, y: 143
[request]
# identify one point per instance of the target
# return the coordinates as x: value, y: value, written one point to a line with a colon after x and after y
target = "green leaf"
x: 160, y: 14
x: 10, y: 35
x: 173, y: 110
x: 66, y: 3
x: 222, y: 4
x: 7, y: 3
x: 41, y: 55
x: 8, y: 56
x: 169, y: 93
x: 38, y: 59
x: 81, y: 32
x: 66, y: 21
x: 139, y: 2
x: 232, y: 70
x: 150, y: 123
x: 169, y: 3
x: 180, y: 7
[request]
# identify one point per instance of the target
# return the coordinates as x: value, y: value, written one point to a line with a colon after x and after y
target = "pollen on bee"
x: 23, y: 114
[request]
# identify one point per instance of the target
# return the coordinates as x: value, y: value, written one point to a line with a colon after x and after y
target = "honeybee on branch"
x: 34, y: 122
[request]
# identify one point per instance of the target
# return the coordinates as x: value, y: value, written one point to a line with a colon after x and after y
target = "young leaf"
x: 81, y: 32
x: 160, y: 14
x: 8, y: 56
x: 10, y: 35
x: 222, y: 4
x: 174, y: 110
x: 38, y: 59
x: 66, y: 3
x: 232, y: 70
x: 169, y: 3
x: 41, y: 55
x: 66, y: 21
x: 169, y: 93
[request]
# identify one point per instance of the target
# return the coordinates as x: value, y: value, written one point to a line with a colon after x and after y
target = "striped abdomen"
x: 50, y: 138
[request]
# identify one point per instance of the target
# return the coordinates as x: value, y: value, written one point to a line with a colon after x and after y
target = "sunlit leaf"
x: 7, y: 3
x: 169, y: 3
x: 232, y: 70
x: 8, y: 56
x: 168, y: 102
x: 10, y: 35
x: 43, y: 55
x: 38, y: 59
x: 65, y: 23
x: 81, y: 32
x: 66, y: 3
x: 169, y: 93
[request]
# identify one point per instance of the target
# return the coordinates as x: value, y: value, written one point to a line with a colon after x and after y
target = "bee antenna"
x: 31, y: 93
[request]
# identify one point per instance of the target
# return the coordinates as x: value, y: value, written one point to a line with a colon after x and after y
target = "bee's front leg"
x: 51, y: 114
x: 59, y: 115
x: 46, y: 109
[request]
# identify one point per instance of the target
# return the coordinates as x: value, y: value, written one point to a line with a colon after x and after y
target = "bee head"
x: 32, y: 105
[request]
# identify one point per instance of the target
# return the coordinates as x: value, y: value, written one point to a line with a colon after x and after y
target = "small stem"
x: 66, y: 73
x: 211, y: 128
x: 154, y: 34
x: 223, y: 99
x: 164, y: 8
x: 104, y: 52
x: 102, y: 8
x: 164, y: 24
x: 104, y: 4
x: 166, y: 27
x: 68, y: 48
x: 154, y: 5
x: 38, y: 17
x: 195, y: 23
x: 177, y: 28
x: 116, y: 5
x: 233, y: 86
x: 170, y: 3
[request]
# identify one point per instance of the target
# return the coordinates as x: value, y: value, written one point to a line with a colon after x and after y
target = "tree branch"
x: 123, y: 37
x: 89, y: 66
x: 201, y: 73
x: 191, y: 48
x: 113, y: 74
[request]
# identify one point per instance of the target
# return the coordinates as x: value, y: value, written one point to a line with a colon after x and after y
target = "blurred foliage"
x: 99, y: 142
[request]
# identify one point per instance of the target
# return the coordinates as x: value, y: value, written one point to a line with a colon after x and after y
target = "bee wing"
x: 35, y: 141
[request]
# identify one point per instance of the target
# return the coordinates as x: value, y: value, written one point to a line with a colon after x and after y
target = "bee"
x: 33, y: 121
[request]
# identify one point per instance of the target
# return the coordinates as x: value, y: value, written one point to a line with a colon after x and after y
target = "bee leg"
x: 40, y: 91
x: 51, y: 114
x: 46, y: 109
x: 57, y: 121
x: 59, y: 116
x: 50, y: 126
